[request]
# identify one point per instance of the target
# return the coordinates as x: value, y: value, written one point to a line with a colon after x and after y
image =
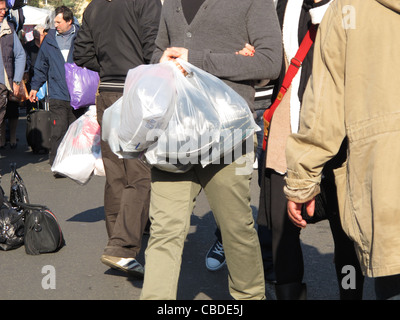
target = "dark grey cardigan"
x: 219, y: 29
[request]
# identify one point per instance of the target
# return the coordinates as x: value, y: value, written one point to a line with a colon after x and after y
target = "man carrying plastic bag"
x: 207, y: 34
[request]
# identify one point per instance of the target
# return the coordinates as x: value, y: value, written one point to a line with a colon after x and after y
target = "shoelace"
x: 218, y: 249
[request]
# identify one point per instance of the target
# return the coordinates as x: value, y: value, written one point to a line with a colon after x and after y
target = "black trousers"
x: 61, y: 116
x: 286, y: 246
x: 126, y: 194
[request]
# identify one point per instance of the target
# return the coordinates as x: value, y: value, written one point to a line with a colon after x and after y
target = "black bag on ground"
x: 11, y: 216
x: 11, y: 226
x: 42, y: 231
x: 18, y: 192
x: 38, y: 130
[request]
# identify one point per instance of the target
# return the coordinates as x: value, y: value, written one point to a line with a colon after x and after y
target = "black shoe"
x: 215, y: 258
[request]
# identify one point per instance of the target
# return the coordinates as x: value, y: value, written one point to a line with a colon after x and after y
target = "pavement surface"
x: 76, y: 273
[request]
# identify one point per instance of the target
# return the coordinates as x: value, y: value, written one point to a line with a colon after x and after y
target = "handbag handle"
x: 31, y: 206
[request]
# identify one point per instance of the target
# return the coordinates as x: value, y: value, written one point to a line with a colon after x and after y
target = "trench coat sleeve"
x: 322, y: 119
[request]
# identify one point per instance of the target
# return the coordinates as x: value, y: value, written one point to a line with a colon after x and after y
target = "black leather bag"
x: 43, y: 233
x: 11, y: 227
x: 11, y: 218
x: 18, y: 191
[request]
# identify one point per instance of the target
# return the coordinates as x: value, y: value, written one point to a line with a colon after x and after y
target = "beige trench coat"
x: 354, y: 92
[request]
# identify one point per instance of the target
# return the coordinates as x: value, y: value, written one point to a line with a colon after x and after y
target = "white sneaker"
x: 128, y: 265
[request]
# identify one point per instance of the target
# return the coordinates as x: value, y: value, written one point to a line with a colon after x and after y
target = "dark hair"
x: 67, y: 13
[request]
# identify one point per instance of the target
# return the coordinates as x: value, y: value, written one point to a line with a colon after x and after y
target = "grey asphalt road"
x: 77, y: 270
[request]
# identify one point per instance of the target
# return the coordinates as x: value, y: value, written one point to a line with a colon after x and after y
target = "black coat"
x: 116, y: 36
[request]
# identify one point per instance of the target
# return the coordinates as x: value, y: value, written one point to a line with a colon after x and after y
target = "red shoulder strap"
x: 294, y: 66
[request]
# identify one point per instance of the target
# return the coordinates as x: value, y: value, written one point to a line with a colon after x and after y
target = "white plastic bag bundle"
x: 176, y: 121
x: 79, y: 152
x: 147, y: 104
x: 236, y: 118
x: 110, y: 127
x: 193, y: 128
x: 210, y: 121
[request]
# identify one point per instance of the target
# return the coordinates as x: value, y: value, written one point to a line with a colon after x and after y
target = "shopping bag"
x: 111, y: 125
x: 176, y: 120
x: 237, y: 123
x: 147, y: 105
x: 80, y: 148
x: 193, y: 128
x: 82, y: 85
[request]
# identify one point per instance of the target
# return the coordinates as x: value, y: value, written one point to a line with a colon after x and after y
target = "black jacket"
x: 116, y: 36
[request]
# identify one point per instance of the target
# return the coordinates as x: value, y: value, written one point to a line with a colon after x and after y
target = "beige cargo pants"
x: 173, y: 197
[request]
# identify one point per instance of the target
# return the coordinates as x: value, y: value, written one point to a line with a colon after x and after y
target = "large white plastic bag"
x: 147, y: 104
x: 80, y: 148
x: 193, y: 128
x: 111, y: 125
x: 237, y: 121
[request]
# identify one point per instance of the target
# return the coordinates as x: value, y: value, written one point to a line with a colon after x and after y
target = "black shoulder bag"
x: 42, y: 231
x: 12, y: 217
x: 11, y: 227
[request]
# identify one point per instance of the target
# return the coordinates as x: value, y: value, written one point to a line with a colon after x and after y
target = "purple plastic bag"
x: 82, y: 85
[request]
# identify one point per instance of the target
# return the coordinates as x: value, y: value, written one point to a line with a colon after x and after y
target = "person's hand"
x: 15, y: 89
x: 32, y: 96
x: 248, y: 50
x: 294, y: 212
x: 171, y: 54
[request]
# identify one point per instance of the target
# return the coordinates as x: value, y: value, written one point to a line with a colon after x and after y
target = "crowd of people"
x: 335, y: 126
